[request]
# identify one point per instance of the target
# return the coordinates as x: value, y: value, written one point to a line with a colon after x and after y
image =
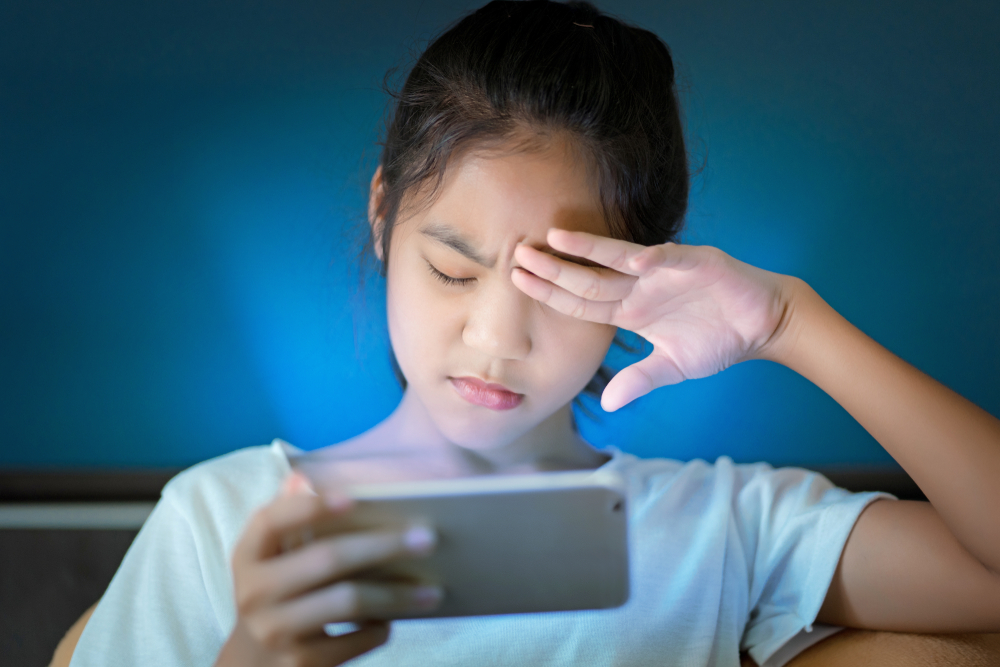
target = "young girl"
x: 532, y: 180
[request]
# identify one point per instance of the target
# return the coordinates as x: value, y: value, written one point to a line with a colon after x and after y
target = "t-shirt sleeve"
x: 156, y: 612
x: 795, y: 524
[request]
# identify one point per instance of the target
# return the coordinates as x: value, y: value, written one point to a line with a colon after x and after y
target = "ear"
x: 375, y: 194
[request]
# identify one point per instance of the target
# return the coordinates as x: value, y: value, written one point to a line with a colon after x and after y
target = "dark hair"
x: 543, y: 68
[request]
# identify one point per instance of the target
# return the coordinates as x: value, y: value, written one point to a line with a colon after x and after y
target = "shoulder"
x: 755, y: 488
x: 220, y: 494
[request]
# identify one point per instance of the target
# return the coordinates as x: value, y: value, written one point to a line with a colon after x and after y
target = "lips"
x: 486, y: 394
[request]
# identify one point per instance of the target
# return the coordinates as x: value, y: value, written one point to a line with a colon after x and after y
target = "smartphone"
x: 507, y: 544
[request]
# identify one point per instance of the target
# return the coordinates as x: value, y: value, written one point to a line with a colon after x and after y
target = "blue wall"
x: 182, y: 184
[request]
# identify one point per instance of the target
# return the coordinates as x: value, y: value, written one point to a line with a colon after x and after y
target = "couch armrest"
x: 866, y: 648
x: 848, y: 648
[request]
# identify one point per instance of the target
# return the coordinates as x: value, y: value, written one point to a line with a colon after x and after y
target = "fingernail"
x: 419, y: 539
x: 427, y: 597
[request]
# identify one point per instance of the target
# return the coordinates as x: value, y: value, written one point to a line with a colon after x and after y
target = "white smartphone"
x: 508, y: 544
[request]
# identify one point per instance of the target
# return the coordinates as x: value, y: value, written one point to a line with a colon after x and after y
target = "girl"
x: 532, y: 181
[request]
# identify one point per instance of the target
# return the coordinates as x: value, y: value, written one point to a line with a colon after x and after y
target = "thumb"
x: 639, y: 379
x: 297, y: 483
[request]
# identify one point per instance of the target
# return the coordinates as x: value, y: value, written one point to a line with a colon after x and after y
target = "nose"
x: 498, y: 323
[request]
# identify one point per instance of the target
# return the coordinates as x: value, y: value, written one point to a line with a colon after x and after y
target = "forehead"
x: 497, y: 197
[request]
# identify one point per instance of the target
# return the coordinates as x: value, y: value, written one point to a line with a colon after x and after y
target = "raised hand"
x: 702, y: 310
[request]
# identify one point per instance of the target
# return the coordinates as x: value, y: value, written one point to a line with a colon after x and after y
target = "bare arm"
x: 918, y: 567
x: 64, y: 651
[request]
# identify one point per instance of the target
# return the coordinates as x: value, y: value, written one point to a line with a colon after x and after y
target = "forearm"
x: 948, y: 445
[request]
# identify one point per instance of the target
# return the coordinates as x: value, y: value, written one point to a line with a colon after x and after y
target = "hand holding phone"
x: 288, y: 587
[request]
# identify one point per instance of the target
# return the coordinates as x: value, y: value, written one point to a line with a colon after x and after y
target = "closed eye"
x: 446, y: 279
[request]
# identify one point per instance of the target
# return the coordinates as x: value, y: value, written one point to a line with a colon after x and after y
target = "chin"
x: 483, y: 433
x: 479, y: 428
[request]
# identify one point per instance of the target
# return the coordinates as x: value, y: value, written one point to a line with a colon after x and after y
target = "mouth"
x: 486, y: 394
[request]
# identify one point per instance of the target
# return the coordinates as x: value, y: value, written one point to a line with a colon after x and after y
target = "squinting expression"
x: 488, y: 362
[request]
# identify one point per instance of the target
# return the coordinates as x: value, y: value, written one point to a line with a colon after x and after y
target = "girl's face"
x: 487, y: 362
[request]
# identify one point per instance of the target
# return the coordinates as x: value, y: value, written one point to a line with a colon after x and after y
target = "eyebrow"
x: 451, y: 238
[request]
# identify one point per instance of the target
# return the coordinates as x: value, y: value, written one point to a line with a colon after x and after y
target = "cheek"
x: 425, y: 326
x: 571, y: 352
x: 419, y: 324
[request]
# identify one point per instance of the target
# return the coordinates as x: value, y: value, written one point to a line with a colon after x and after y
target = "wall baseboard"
x: 63, y: 515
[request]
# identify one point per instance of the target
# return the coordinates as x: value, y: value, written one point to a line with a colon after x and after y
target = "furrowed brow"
x: 451, y: 238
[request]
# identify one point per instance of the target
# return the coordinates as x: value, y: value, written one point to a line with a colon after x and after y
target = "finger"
x: 350, y: 601
x: 613, y: 253
x: 588, y: 283
x: 286, y: 514
x: 638, y: 380
x: 329, y: 559
x: 325, y: 650
x: 666, y: 256
x: 298, y: 483
x: 602, y: 312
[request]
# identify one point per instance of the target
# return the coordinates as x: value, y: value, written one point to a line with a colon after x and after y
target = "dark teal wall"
x: 181, y: 185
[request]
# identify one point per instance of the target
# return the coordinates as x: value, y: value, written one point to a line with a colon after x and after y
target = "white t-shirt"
x: 724, y: 558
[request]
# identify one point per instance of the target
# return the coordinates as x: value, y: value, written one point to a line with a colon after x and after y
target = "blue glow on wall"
x: 182, y: 192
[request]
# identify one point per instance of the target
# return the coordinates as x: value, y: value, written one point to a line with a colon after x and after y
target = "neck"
x: 553, y: 444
